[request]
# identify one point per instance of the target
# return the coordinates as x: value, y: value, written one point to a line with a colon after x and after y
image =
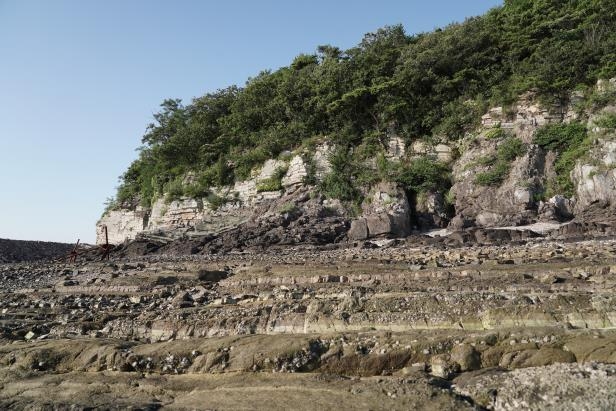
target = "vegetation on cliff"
x: 424, y: 86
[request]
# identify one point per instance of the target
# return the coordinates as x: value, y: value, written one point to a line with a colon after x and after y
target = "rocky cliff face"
x: 595, y: 177
x: 515, y: 173
x: 251, y: 203
x: 517, y: 199
x: 512, y: 201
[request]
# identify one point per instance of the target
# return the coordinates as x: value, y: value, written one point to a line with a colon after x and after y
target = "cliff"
x: 288, y: 186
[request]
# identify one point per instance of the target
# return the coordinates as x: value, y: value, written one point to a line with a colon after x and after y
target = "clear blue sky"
x: 80, y: 80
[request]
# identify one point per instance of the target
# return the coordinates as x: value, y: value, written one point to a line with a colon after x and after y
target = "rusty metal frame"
x: 104, y: 250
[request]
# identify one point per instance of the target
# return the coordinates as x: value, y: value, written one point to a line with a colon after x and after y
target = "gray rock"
x: 379, y: 224
x: 442, y: 366
x: 466, y: 356
x: 358, y: 230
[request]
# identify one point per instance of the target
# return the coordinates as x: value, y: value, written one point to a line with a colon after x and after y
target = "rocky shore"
x: 459, y: 322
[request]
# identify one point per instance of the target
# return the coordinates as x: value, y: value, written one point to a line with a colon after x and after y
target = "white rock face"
x: 270, y: 167
x: 121, y: 225
x: 179, y: 213
x: 493, y: 117
x: 296, y: 173
x: 321, y: 160
x: 593, y: 185
x: 443, y: 153
x: 396, y: 148
x: 190, y: 213
x: 528, y: 115
x: 440, y: 152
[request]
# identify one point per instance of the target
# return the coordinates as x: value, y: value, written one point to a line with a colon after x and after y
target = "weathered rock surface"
x: 596, y: 183
x: 390, y: 212
x: 396, y: 322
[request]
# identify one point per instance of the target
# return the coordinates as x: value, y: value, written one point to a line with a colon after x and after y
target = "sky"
x: 80, y: 81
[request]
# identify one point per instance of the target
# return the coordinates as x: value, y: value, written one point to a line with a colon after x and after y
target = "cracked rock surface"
x: 392, y: 324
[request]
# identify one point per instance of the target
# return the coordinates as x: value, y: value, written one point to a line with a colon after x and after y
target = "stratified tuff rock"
x: 441, y: 152
x: 512, y: 198
x: 509, y: 203
x: 404, y: 316
x: 386, y: 212
x: 296, y: 173
x: 198, y: 214
x: 121, y: 225
x: 594, y: 176
x: 396, y: 148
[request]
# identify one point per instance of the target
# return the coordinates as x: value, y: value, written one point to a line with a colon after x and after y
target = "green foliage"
x: 269, y: 184
x: 495, y: 133
x: 598, y: 99
x: 424, y: 174
x: 339, y: 186
x: 508, y: 150
x: 274, y: 183
x: 486, y: 160
x: 558, y: 137
x: 110, y: 204
x: 450, y: 198
x: 459, y: 117
x: 417, y: 86
x: 339, y: 182
x: 572, y: 143
x: 563, y: 167
x: 174, y: 190
x: 493, y: 177
x: 196, y: 191
x: 288, y: 208
x: 607, y: 120
x: 215, y: 201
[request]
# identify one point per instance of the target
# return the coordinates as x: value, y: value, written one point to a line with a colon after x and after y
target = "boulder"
x: 379, y: 224
x: 358, y: 230
x: 595, y: 183
x: 431, y: 210
x: 387, y: 211
x: 442, y: 366
x: 466, y: 356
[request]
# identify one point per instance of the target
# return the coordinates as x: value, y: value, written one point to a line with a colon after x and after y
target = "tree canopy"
x: 436, y: 83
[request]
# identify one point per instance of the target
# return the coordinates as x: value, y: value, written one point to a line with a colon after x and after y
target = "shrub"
x: 563, y: 166
x: 450, y: 198
x: 572, y: 143
x: 607, y: 120
x: 507, y: 151
x: 424, y: 174
x: 215, y: 201
x: 486, y: 160
x: 110, y: 204
x: 599, y: 100
x: 288, y: 208
x: 269, y: 184
x: 494, y: 176
x: 559, y: 137
x: 174, y: 190
x: 336, y: 185
x: 340, y: 182
x: 495, y: 133
x: 274, y: 183
x: 510, y: 149
x: 196, y: 190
